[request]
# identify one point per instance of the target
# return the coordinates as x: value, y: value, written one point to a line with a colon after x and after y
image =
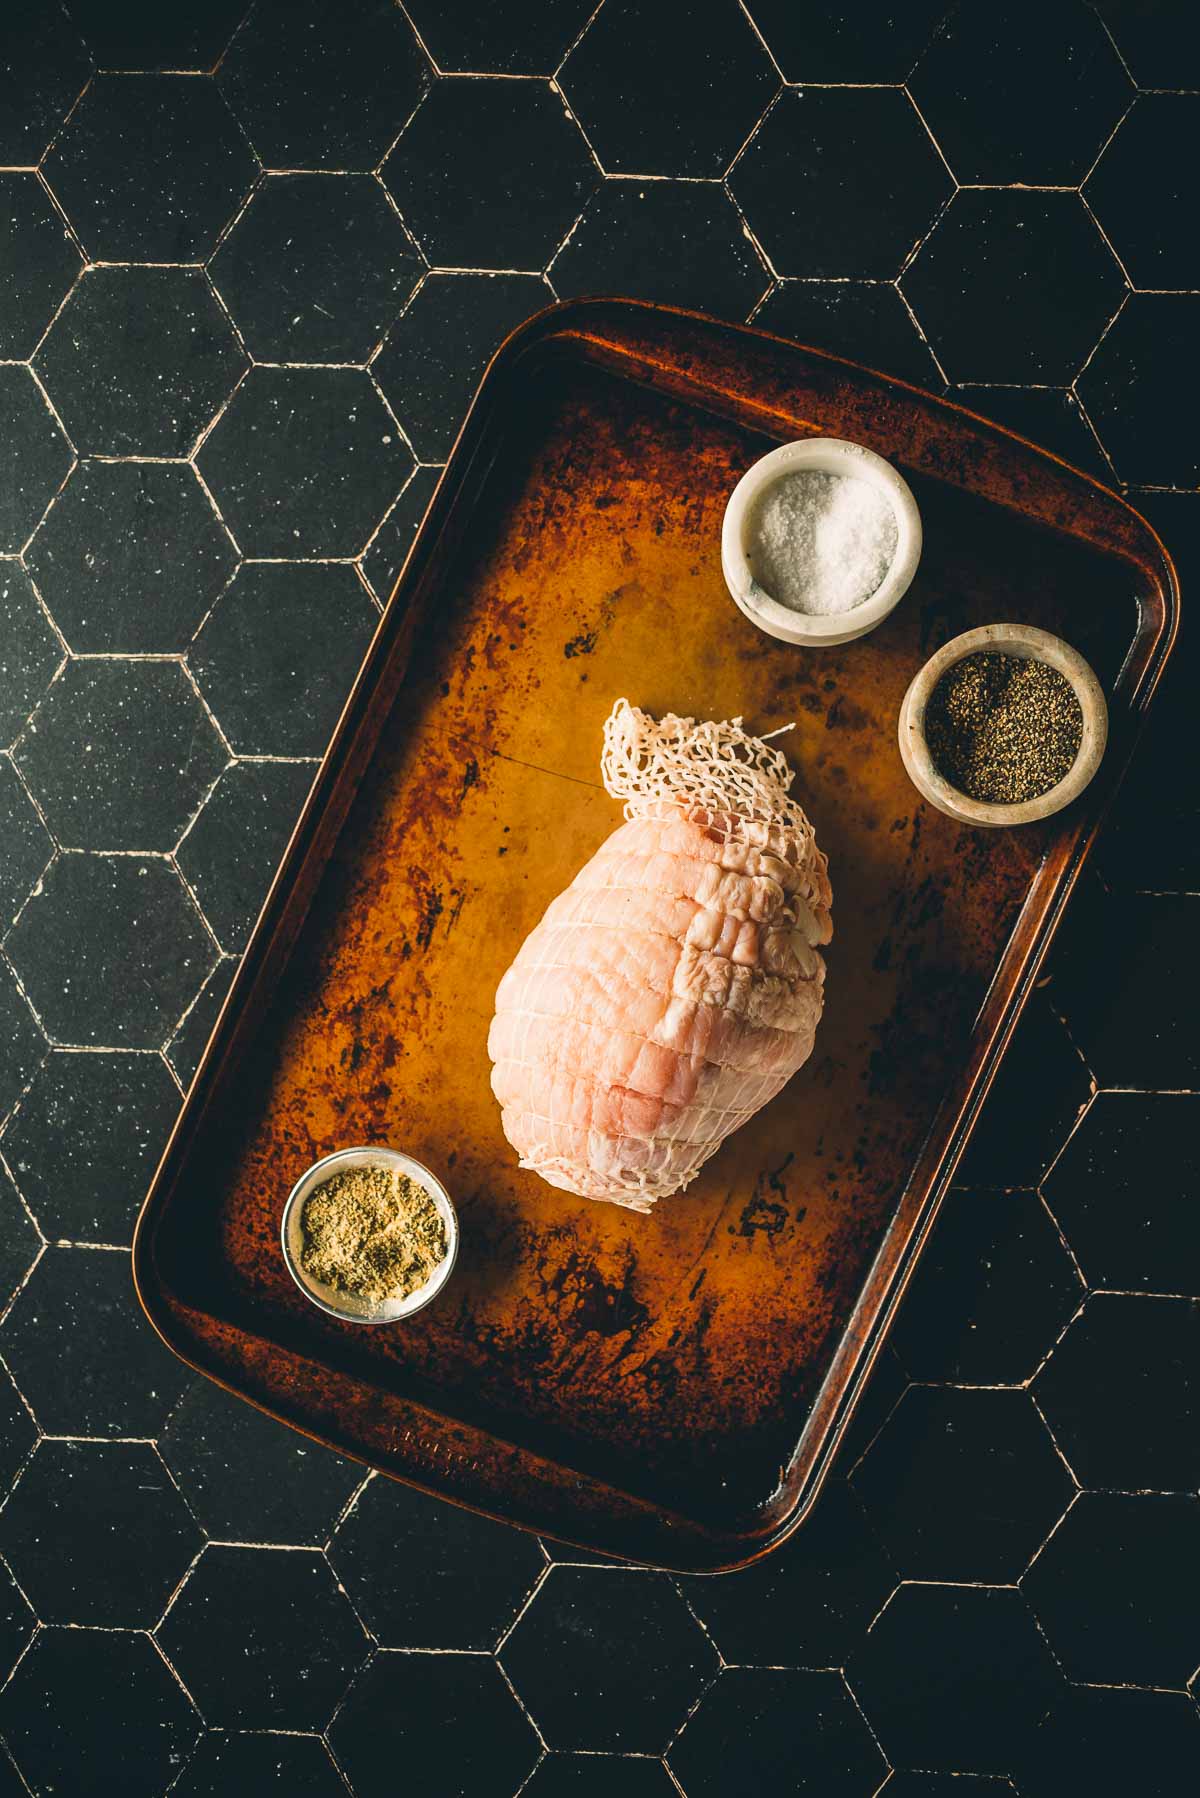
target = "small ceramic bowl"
x: 343, y: 1304
x: 823, y: 455
x: 1012, y: 640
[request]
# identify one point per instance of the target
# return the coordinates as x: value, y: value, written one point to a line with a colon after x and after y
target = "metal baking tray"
x: 667, y: 1388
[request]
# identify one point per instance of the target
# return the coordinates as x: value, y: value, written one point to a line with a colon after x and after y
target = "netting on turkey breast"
x: 675, y: 986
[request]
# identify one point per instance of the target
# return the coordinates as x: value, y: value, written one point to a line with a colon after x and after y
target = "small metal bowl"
x: 1012, y: 640
x: 822, y: 455
x: 344, y: 1305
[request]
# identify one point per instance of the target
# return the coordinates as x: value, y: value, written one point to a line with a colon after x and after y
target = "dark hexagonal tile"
x: 111, y: 951
x: 1117, y: 1589
x: 97, y: 1534
x: 958, y: 1321
x: 434, y: 356
x: 1112, y: 1742
x: 276, y: 496
x: 237, y: 841
x: 846, y: 43
x: 226, y: 1765
x: 120, y: 754
x: 86, y: 1701
x: 35, y: 459
x: 1013, y: 286
x: 1135, y: 1023
x: 1120, y: 1393
x: 1029, y: 98
x: 423, y: 1574
x: 599, y: 1776
x: 27, y: 844
x: 409, y: 1710
x: 17, y: 1624
x: 465, y: 39
x: 1042, y: 1080
x: 83, y: 1354
x: 608, y: 1659
x: 38, y: 262
x: 1152, y: 841
x: 840, y: 181
x: 19, y: 1240
x: 1133, y: 1222
x: 250, y: 1479
x: 678, y: 242
x: 263, y: 1638
x: 808, y: 1602
x: 392, y: 541
x: 316, y: 268
x: 189, y: 1041
x: 276, y: 656
x: 86, y: 1140
x: 18, y: 1433
x: 1145, y: 191
x: 318, y: 87
x: 130, y: 557
x: 43, y: 68
x: 864, y: 320
x: 963, y: 1485
x: 1160, y: 43
x: 1140, y: 386
x: 657, y: 97
x: 139, y: 360
x: 946, y: 1785
x: 139, y: 34
x: 761, y: 1729
x: 490, y: 171
x: 888, y: 1381
x: 954, y: 1677
x: 1049, y: 416
x: 29, y: 650
x: 150, y: 168
x: 22, y: 1044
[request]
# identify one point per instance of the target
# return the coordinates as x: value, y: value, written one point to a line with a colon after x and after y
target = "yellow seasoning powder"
x: 372, y: 1232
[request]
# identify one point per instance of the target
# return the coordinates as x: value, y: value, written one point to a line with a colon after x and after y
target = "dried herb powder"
x: 1002, y: 728
x: 372, y: 1232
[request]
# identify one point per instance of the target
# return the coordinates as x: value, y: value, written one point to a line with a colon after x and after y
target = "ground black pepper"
x: 1002, y: 728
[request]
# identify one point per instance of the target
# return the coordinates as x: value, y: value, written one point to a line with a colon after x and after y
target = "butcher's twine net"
x: 705, y: 765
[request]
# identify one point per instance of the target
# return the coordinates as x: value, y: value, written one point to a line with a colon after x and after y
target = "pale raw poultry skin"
x: 670, y: 992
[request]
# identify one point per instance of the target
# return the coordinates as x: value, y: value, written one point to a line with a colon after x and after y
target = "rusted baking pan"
x: 669, y: 1388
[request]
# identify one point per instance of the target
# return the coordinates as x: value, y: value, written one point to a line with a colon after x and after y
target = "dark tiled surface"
x: 130, y: 557
x: 263, y: 1637
x: 678, y: 242
x: 196, y: 164
x: 658, y: 97
x: 119, y: 755
x: 608, y: 1658
x: 462, y: 1586
x: 840, y: 181
x: 97, y: 1533
x: 139, y: 360
x: 1014, y: 287
x: 963, y: 1485
x: 762, y: 1729
x: 413, y: 216
x: 38, y: 259
x: 1057, y: 57
x: 316, y: 268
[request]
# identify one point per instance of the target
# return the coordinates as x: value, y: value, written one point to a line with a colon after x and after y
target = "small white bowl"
x: 822, y: 455
x: 1011, y: 640
x: 345, y: 1305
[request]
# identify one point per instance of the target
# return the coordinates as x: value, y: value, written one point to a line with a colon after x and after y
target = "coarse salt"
x: 822, y: 543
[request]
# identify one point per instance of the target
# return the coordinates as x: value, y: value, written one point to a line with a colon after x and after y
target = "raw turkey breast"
x: 676, y: 985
